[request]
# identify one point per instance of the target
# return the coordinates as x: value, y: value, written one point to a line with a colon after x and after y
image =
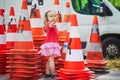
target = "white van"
x: 108, y: 17
x: 109, y: 23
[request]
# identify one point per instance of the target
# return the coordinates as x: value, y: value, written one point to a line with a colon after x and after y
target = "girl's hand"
x: 52, y: 23
x: 39, y: 52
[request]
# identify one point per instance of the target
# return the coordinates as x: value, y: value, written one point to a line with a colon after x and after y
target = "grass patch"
x: 113, y: 64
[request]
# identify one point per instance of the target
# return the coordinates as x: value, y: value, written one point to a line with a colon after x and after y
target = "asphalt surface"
x: 104, y: 75
x: 108, y: 75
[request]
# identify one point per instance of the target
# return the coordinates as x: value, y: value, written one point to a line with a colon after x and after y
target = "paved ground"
x: 107, y: 75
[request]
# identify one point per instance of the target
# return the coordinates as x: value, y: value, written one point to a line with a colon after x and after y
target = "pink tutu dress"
x: 51, y: 45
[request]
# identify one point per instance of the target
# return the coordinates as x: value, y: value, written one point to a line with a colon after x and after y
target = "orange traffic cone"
x: 24, y: 35
x: 56, y: 7
x: 94, y: 59
x: 12, y: 28
x: 35, y: 20
x: 74, y: 68
x: 3, y: 48
x: 67, y: 12
x: 2, y: 32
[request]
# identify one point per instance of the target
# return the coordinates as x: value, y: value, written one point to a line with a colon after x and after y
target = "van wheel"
x: 111, y: 47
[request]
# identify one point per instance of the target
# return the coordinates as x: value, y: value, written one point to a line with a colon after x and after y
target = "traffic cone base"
x: 23, y: 51
x: 19, y: 67
x: 3, y: 46
x: 72, y: 67
x: 94, y: 56
x: 10, y: 44
x: 96, y: 66
x: 25, y: 62
x: 74, y: 71
x: 23, y: 74
x: 97, y: 62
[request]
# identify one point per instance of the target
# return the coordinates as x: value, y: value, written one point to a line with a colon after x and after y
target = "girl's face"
x: 51, y: 16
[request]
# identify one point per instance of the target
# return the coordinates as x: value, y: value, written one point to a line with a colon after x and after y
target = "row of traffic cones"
x: 20, y: 57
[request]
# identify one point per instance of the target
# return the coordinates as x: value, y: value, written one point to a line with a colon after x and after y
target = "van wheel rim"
x: 112, y: 50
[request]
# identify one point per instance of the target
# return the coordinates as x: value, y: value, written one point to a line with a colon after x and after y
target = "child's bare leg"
x: 47, y: 68
x: 52, y: 64
x: 47, y: 75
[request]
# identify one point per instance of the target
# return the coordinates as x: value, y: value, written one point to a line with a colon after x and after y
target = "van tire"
x: 111, y: 47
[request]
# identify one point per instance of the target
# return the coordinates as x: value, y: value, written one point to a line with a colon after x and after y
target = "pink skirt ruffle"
x: 50, y: 48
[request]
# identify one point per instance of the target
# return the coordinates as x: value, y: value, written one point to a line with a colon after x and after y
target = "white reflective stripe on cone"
x: 1, y: 20
x: 94, y: 47
x: 2, y: 39
x: 74, y: 32
x: 76, y: 55
x: 24, y: 36
x: 11, y: 37
x: 36, y: 22
x: 24, y: 13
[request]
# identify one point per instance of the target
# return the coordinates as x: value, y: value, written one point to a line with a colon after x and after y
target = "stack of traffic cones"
x: 94, y: 59
x: 3, y: 48
x: 23, y: 59
x: 74, y: 68
x: 11, y: 30
x: 38, y: 33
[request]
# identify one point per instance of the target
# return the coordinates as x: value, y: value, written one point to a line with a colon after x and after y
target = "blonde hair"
x: 46, y: 16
